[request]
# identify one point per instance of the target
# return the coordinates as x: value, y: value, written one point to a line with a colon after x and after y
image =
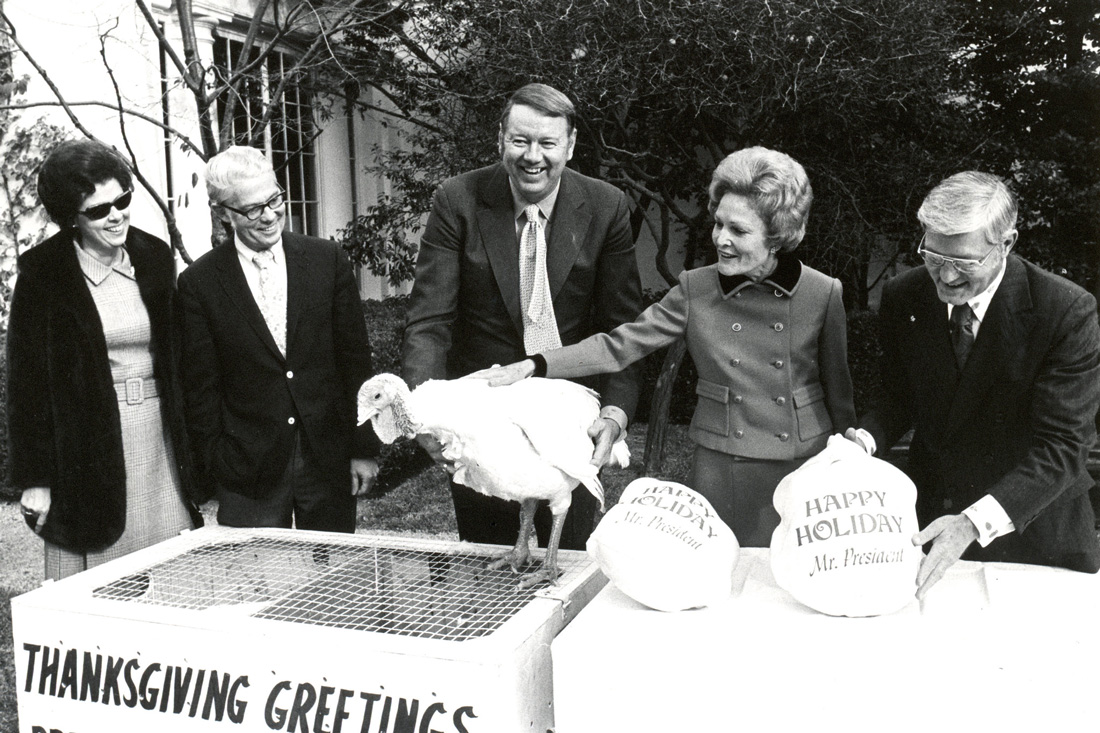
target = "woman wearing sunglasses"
x: 95, y: 420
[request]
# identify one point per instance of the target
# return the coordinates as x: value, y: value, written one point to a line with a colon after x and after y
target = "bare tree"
x: 312, y: 28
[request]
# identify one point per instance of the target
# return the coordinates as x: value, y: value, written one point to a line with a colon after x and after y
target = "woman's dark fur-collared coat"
x: 63, y: 413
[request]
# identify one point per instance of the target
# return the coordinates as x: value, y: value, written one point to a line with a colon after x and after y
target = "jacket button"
x: 738, y: 399
x: 290, y: 421
x: 778, y: 293
x: 736, y: 327
x: 780, y: 400
x: 739, y: 434
x: 737, y: 294
x: 778, y: 327
x: 784, y: 437
x: 290, y: 375
x: 735, y: 362
x: 946, y: 503
x: 778, y: 363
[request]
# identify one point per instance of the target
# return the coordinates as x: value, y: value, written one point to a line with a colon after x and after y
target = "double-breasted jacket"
x: 771, y: 358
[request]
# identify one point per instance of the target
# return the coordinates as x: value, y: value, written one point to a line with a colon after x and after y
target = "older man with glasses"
x: 275, y: 348
x: 995, y: 365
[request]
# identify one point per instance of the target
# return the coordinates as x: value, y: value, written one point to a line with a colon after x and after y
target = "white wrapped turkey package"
x: 844, y: 544
x: 664, y: 546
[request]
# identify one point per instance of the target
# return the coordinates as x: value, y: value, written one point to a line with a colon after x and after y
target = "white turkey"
x: 525, y: 442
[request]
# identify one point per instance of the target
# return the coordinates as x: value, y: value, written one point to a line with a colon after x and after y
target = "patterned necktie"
x: 962, y: 332
x: 272, y: 303
x: 540, y: 327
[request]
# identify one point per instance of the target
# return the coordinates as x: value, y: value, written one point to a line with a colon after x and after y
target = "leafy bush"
x: 864, y: 351
x: 385, y: 329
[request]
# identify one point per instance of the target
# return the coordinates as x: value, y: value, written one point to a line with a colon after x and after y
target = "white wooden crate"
x: 278, y: 630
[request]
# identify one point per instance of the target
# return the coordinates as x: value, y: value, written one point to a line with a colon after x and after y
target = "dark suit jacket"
x: 1017, y: 423
x: 244, y: 399
x: 63, y: 414
x: 464, y: 311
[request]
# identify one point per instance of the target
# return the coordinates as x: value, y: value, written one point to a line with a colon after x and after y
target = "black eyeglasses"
x: 252, y: 213
x: 966, y: 266
x: 99, y: 211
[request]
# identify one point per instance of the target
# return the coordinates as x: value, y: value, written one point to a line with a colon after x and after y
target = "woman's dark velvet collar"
x: 785, y: 277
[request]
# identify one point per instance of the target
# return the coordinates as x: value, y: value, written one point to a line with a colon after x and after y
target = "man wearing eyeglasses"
x: 995, y: 365
x: 274, y: 351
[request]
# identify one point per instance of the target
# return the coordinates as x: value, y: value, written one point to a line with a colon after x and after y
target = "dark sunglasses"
x: 99, y: 211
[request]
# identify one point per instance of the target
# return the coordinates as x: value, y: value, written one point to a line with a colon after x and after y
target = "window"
x: 287, y: 133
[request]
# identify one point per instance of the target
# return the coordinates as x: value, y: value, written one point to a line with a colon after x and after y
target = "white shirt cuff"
x: 616, y: 414
x: 868, y: 441
x: 990, y: 519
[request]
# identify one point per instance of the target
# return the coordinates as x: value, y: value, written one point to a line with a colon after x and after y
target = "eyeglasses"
x: 99, y: 211
x: 252, y: 213
x: 964, y: 265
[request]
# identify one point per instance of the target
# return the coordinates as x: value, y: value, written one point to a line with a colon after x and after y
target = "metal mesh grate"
x: 372, y: 587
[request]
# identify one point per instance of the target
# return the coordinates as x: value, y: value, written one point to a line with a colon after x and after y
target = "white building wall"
x: 63, y: 36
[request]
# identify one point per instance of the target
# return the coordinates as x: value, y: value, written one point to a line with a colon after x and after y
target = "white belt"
x: 136, y: 390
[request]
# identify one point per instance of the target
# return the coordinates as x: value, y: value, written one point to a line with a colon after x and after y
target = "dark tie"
x: 962, y: 332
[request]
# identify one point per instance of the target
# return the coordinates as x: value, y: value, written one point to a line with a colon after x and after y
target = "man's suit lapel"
x: 232, y: 281
x: 1006, y: 324
x: 297, y: 284
x: 932, y: 348
x: 497, y: 226
x: 567, y: 232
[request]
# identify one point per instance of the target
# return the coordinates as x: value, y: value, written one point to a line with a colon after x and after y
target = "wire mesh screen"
x: 402, y: 589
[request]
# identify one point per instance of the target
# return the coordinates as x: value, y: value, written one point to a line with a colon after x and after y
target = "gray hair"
x: 231, y: 166
x: 776, y: 184
x: 967, y: 202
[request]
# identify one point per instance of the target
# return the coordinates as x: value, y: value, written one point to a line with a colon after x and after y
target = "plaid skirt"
x: 155, y: 510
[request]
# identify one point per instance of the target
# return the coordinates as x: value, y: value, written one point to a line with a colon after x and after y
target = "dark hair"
x: 71, y: 173
x: 545, y: 99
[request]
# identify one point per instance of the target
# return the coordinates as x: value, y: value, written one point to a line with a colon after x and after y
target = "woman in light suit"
x: 767, y: 335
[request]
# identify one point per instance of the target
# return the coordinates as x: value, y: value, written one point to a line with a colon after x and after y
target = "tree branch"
x: 226, y: 123
x: 183, y: 139
x: 162, y: 41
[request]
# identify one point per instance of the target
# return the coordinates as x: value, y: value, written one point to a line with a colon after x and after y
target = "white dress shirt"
x: 252, y: 273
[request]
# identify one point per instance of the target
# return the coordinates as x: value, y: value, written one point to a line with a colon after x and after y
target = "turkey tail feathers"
x: 620, y: 455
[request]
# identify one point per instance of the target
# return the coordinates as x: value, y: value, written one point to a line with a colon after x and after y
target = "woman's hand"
x: 501, y: 376
x: 35, y: 503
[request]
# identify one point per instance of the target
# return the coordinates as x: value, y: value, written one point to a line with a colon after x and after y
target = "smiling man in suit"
x: 995, y: 364
x: 518, y: 257
x: 274, y: 351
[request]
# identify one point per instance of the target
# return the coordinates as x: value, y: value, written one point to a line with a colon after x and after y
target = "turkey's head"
x: 383, y: 399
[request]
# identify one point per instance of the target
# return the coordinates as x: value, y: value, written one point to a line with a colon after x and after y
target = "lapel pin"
x: 912, y: 319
